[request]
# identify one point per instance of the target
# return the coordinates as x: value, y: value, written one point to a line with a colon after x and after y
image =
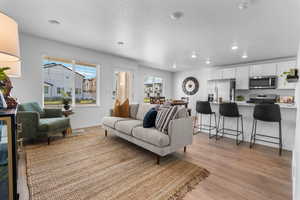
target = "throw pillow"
x: 124, y: 109
x: 149, y: 119
x: 163, y: 118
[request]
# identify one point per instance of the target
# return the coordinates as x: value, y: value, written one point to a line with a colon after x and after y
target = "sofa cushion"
x: 152, y: 136
x: 133, y: 109
x: 127, y: 126
x: 143, y: 109
x: 52, y: 124
x: 111, y: 121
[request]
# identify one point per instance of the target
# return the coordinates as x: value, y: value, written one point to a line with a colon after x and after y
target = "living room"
x: 147, y: 100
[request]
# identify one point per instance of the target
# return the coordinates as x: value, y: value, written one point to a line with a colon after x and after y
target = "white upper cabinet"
x: 228, y: 73
x: 219, y: 74
x: 269, y: 69
x: 285, y: 67
x: 215, y: 74
x: 242, y: 78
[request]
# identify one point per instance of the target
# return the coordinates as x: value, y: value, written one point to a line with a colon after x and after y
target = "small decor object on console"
x: 2, y: 101
x: 190, y: 86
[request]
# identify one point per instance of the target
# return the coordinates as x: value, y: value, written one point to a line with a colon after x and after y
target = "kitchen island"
x: 288, y: 116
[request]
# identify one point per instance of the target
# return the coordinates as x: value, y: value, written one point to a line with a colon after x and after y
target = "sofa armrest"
x: 30, y: 123
x: 51, y: 113
x: 181, y: 132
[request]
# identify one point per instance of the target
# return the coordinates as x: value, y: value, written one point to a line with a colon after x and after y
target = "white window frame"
x: 73, y: 67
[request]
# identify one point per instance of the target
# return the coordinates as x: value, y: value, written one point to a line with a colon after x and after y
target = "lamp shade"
x: 9, y: 39
x: 9, y: 46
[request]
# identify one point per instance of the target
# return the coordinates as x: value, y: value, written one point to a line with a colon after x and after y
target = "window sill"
x: 86, y: 106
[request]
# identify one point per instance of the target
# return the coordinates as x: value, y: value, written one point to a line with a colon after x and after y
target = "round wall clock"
x: 190, y: 85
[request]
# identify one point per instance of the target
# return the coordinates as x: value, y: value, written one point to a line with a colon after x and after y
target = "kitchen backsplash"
x: 281, y: 93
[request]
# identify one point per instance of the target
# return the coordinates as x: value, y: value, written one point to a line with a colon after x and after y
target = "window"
x: 85, y: 84
x: 153, y: 88
x: 69, y: 79
x: 123, y: 83
x: 46, y: 89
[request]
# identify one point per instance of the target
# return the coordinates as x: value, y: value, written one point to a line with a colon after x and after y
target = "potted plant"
x: 291, y: 75
x: 66, y: 100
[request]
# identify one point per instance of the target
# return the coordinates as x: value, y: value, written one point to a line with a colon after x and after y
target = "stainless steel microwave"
x: 263, y: 82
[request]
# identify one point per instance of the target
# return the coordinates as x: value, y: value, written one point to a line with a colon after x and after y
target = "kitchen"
x: 268, y: 82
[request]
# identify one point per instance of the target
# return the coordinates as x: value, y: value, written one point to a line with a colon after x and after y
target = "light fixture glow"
x: 174, y: 66
x: 194, y: 55
x: 207, y: 62
x: 244, y: 56
x: 234, y: 47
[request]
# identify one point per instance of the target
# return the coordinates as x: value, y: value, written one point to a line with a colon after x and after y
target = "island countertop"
x: 244, y: 103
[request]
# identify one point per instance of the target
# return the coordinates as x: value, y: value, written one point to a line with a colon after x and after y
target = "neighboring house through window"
x: 69, y: 79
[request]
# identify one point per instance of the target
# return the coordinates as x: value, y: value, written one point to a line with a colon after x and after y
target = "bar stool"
x: 266, y: 113
x: 231, y: 110
x: 203, y: 108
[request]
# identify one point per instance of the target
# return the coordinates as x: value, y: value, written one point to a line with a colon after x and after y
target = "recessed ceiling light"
x: 53, y: 21
x: 234, y: 47
x: 207, y: 62
x: 120, y: 43
x: 174, y: 66
x: 194, y: 55
x: 244, y: 56
x: 176, y: 15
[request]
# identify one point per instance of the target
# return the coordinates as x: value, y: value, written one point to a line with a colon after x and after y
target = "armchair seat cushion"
x: 111, y: 121
x: 152, y: 136
x: 127, y: 126
x: 52, y: 124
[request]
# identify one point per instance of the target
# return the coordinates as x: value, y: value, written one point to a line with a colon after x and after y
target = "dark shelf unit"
x: 8, y: 154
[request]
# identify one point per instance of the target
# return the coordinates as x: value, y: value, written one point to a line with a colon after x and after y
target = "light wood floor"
x: 237, y: 172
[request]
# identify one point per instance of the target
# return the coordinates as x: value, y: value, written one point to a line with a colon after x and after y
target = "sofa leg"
x: 184, y: 149
x: 48, y: 140
x: 105, y: 133
x: 158, y: 159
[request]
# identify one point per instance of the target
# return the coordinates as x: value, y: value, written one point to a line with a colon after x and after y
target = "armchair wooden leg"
x: 158, y: 159
x: 64, y: 133
x: 48, y: 140
x: 105, y: 133
x: 184, y: 149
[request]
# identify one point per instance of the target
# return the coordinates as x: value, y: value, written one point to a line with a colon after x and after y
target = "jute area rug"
x: 92, y: 166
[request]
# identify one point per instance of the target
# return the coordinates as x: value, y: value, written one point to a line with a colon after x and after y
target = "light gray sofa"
x: 180, y: 133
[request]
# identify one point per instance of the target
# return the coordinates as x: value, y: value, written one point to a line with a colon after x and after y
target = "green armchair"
x: 40, y: 123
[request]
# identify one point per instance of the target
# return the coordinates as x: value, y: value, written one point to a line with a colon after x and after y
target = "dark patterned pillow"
x: 163, y: 118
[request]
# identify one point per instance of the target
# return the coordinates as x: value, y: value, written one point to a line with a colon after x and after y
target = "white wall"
x: 202, y: 75
x: 296, y: 152
x: 30, y: 86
